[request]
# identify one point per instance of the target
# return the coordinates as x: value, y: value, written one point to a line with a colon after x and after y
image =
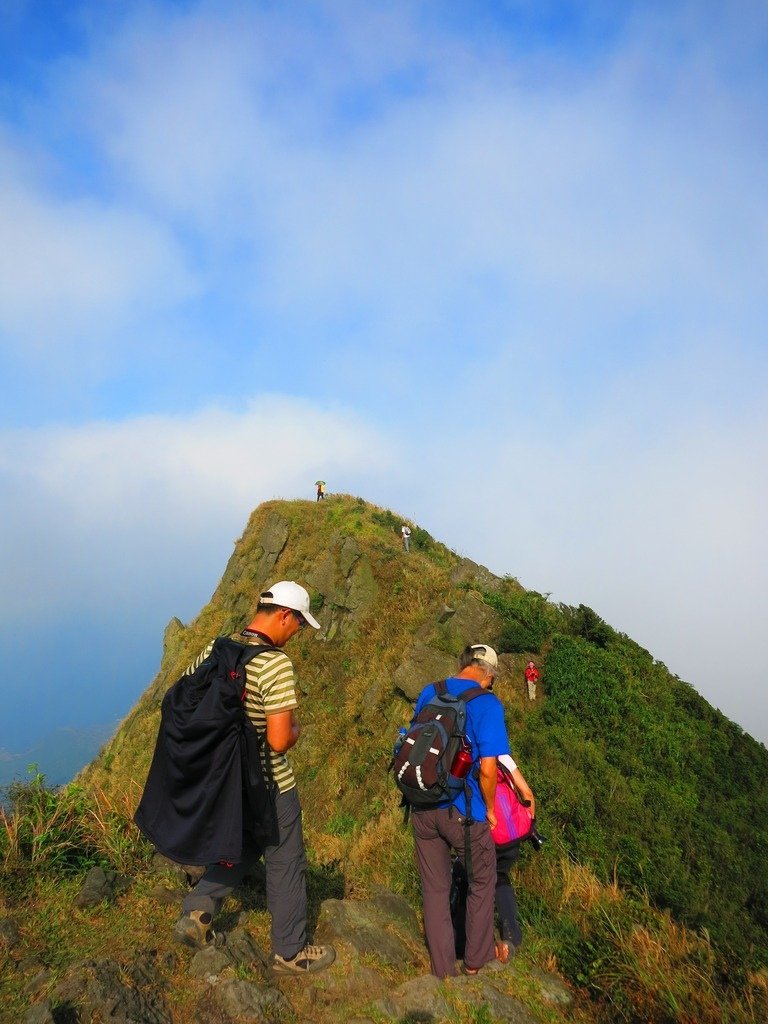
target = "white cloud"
x: 108, y: 511
x: 75, y: 270
x: 591, y: 187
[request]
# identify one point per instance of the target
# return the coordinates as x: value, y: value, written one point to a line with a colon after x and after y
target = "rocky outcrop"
x: 434, y: 653
x: 9, y: 933
x: 101, y: 991
x: 429, y: 999
x: 384, y: 927
x: 421, y: 665
x: 101, y: 885
x: 467, y: 572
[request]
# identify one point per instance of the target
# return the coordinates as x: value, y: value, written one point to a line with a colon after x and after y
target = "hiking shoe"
x: 307, y: 960
x: 194, y: 929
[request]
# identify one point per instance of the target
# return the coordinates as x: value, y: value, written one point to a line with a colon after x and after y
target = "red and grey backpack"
x: 422, y: 764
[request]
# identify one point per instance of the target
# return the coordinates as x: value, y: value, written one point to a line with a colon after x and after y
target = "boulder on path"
x: 105, y: 991
x: 101, y: 885
x: 429, y: 999
x: 10, y: 935
x: 384, y: 926
x: 239, y: 949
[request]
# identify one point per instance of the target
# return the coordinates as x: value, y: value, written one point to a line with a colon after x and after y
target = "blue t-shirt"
x: 485, y: 730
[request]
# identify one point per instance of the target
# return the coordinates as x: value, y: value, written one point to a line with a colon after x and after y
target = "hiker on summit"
x: 466, y: 830
x: 270, y: 703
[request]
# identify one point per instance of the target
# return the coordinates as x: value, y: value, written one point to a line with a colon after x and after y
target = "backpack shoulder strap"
x: 440, y: 687
x: 471, y: 693
x: 251, y: 650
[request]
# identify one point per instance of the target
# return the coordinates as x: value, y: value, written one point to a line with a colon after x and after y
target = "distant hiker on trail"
x: 269, y: 701
x: 320, y: 484
x: 462, y: 822
x: 406, y: 535
x: 531, y: 678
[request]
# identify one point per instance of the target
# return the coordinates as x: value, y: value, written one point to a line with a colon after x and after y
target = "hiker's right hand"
x: 491, y: 818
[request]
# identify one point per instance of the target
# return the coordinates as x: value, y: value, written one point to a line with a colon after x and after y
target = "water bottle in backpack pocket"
x: 434, y: 744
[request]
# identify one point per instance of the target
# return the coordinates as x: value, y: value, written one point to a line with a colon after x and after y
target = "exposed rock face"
x: 9, y: 933
x: 260, y: 562
x: 429, y: 999
x: 102, y: 991
x: 421, y: 665
x: 467, y: 571
x: 344, y: 578
x: 101, y: 885
x: 173, y: 637
x: 385, y: 926
x: 433, y: 655
x: 245, y: 1001
x: 473, y: 622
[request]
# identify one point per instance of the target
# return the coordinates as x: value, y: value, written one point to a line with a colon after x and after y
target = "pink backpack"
x: 514, y: 821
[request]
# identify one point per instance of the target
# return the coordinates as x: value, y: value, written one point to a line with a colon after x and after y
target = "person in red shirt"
x: 531, y: 678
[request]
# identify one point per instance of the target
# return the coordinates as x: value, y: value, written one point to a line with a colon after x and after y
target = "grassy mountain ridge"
x: 636, y: 772
x: 654, y: 804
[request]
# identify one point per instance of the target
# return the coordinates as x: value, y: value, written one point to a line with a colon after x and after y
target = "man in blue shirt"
x: 439, y: 830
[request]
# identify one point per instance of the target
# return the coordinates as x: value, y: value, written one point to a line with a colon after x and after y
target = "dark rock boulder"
x: 246, y: 1001
x: 240, y: 949
x: 10, y: 935
x: 101, y: 885
x: 385, y: 927
x: 428, y: 999
x: 104, y: 992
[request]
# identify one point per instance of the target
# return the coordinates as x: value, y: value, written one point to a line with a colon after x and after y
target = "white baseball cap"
x: 486, y: 653
x: 290, y: 595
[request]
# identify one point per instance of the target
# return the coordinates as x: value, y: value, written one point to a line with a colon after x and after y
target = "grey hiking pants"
x: 437, y: 832
x: 286, y: 868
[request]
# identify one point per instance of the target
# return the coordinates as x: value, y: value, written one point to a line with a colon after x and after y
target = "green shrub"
x: 386, y: 519
x: 587, y: 624
x: 528, y: 620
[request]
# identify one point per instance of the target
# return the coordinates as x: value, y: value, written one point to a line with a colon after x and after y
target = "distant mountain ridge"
x: 637, y: 776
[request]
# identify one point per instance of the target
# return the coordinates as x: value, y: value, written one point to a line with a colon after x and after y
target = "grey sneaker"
x: 307, y: 960
x: 194, y: 929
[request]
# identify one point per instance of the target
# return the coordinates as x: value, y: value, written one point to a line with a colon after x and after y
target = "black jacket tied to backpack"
x: 206, y: 798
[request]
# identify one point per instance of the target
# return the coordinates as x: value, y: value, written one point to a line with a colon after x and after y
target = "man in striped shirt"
x: 270, y: 703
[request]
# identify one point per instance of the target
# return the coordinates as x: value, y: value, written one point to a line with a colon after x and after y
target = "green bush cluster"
x: 587, y: 624
x: 528, y: 620
x: 675, y: 802
x: 386, y: 519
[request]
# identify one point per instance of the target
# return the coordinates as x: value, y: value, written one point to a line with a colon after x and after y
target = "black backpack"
x: 206, y: 798
x: 422, y: 764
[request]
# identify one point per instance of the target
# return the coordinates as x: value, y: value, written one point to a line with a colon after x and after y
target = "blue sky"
x: 498, y: 266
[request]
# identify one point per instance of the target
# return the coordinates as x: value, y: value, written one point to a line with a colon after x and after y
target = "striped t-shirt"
x: 269, y: 687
